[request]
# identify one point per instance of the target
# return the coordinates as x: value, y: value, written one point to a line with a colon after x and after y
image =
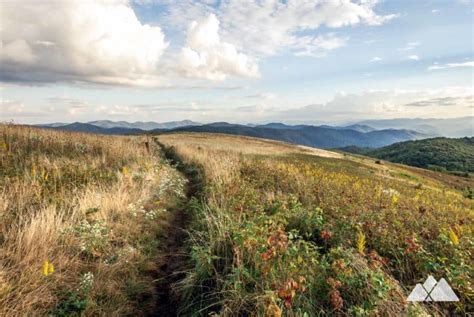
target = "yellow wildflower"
x: 45, y: 268
x: 453, y: 237
x: 361, y: 243
x: 394, y: 199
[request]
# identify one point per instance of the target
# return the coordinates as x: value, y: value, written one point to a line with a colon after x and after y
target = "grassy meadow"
x: 289, y: 231
x: 80, y: 220
x: 89, y: 224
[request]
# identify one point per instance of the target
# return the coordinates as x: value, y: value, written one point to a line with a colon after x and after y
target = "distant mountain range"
x: 363, y: 134
x: 146, y: 126
x: 455, y: 128
x: 316, y: 136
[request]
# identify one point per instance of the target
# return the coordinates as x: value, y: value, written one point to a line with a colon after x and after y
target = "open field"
x: 282, y: 231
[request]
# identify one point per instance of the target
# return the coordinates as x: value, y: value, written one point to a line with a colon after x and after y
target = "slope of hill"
x: 442, y: 154
x: 322, y: 136
x: 284, y: 232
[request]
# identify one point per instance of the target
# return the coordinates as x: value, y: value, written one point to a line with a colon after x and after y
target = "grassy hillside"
x: 439, y: 154
x: 284, y: 231
x: 80, y: 217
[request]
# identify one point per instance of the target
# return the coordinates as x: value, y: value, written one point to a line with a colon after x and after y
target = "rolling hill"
x: 441, y: 154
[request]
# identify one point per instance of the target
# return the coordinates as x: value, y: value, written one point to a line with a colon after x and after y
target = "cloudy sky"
x: 235, y: 60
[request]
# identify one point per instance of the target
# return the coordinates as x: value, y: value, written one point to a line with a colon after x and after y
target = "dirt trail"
x: 173, y: 254
x: 172, y: 263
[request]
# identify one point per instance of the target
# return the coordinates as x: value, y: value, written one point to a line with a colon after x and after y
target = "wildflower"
x: 453, y: 237
x: 45, y: 268
x: 86, y: 282
x: 360, y: 243
x: 48, y: 268
x: 326, y: 235
x: 394, y: 199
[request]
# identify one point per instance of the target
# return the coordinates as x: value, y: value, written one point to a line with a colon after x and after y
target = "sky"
x: 240, y: 61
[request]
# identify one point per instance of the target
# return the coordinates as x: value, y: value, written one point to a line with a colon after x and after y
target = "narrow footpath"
x: 173, y: 260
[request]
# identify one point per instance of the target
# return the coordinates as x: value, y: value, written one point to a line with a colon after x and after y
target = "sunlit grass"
x: 79, y: 222
x: 286, y: 231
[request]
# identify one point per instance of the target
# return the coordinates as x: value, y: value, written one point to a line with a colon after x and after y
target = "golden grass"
x: 52, y: 182
x: 240, y: 144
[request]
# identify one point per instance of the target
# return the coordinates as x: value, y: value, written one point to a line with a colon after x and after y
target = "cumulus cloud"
x: 91, y: 41
x: 414, y: 57
x: 103, y: 41
x: 451, y: 65
x: 264, y: 28
x: 206, y: 56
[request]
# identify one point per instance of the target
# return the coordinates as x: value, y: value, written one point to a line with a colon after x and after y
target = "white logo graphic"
x: 432, y: 291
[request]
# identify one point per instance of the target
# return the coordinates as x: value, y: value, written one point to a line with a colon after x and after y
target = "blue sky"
x: 237, y: 61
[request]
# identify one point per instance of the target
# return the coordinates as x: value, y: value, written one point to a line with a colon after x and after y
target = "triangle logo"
x: 431, y: 290
x: 442, y: 292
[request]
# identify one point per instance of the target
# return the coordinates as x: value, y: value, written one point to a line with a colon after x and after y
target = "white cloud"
x: 376, y: 59
x: 103, y: 41
x: 409, y: 46
x: 91, y: 41
x: 317, y: 46
x: 434, y: 11
x: 379, y: 104
x: 264, y: 28
x: 268, y: 26
x: 206, y: 56
x: 262, y: 95
x: 414, y: 57
x: 451, y: 65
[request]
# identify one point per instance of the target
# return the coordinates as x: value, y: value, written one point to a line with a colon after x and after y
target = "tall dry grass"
x: 88, y: 204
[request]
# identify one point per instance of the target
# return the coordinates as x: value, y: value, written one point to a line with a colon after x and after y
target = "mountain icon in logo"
x: 431, y: 290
